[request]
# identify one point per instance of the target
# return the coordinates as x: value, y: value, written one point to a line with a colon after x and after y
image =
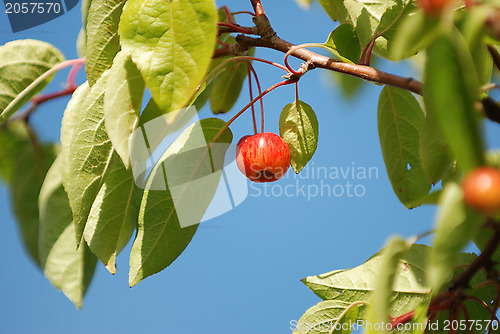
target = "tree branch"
x: 269, y: 39
x: 257, y: 7
x: 482, y: 261
x: 316, y: 60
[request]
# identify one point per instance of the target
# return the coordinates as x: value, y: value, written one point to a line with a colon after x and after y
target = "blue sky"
x: 241, y: 273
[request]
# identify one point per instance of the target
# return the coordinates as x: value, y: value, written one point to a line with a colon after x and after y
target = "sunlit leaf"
x: 102, y: 36
x: 122, y: 103
x: 299, y: 128
x: 81, y: 40
x: 345, y: 40
x: 90, y: 152
x: 67, y: 268
x: 22, y: 62
x: 358, y: 284
x: 178, y: 191
x: 381, y: 300
x: 371, y: 18
x: 114, y: 213
x: 172, y: 43
x: 328, y: 317
x: 71, y: 115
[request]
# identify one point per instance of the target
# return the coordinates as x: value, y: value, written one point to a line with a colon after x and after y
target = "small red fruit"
x: 434, y: 7
x: 263, y: 157
x: 482, y: 189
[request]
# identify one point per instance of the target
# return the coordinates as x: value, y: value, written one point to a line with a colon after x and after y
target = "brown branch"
x: 269, y: 39
x: 257, y: 7
x: 482, y: 261
x: 316, y: 60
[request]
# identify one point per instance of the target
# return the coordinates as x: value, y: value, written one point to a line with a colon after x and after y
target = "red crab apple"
x: 434, y: 7
x: 263, y: 157
x: 482, y: 189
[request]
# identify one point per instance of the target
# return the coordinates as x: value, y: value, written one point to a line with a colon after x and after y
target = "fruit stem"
x: 251, y: 97
x: 235, y: 28
x: 261, y: 100
x: 228, y: 15
x: 226, y: 126
x: 243, y: 12
x: 297, y: 91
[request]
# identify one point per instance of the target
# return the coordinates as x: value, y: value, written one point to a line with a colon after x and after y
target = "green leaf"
x: 456, y: 225
x: 450, y: 90
x: 226, y: 87
x: 187, y: 173
x: 370, y: 18
x: 102, y: 36
x: 482, y: 239
x: 172, y: 44
x: 113, y: 215
x: 22, y: 62
x: 453, y: 174
x: 14, y: 139
x: 81, y: 40
x: 400, y: 119
x: 345, y: 40
x: 67, y: 268
x: 358, y: 284
x: 435, y: 155
x: 380, y: 306
x: 122, y: 103
x: 150, y: 112
x: 335, y: 9
x: 27, y: 177
x: 328, y: 317
x: 416, y: 32
x: 73, y: 111
x: 420, y: 319
x: 299, y: 128
x: 90, y: 152
x: 474, y: 33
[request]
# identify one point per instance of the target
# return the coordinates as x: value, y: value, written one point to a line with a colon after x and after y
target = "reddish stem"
x: 467, y: 316
x: 228, y: 15
x: 69, y: 89
x: 483, y: 304
x: 243, y: 12
x: 226, y: 126
x: 71, y: 80
x: 401, y: 319
x: 235, y: 28
x: 251, y: 98
x: 222, y: 43
x: 260, y: 92
x: 289, y: 68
